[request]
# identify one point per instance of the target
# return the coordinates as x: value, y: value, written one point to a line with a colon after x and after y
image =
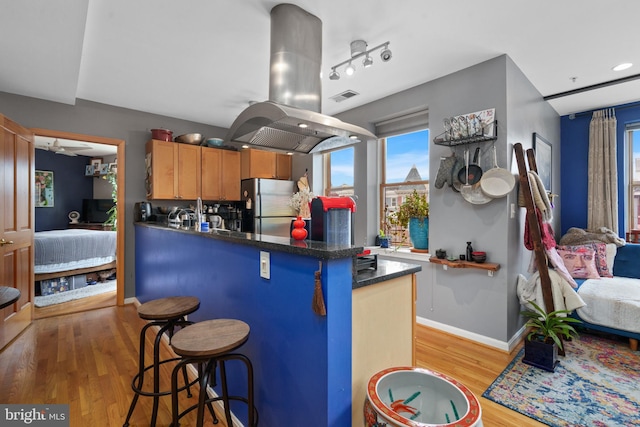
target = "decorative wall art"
x: 543, y: 150
x: 44, y: 189
x: 88, y: 170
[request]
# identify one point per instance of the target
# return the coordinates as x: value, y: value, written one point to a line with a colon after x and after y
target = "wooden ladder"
x: 534, y: 226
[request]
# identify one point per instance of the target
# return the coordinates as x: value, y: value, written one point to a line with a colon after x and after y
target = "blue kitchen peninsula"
x: 305, y: 364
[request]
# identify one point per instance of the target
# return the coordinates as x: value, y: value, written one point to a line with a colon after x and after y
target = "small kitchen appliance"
x: 332, y: 219
x: 141, y: 211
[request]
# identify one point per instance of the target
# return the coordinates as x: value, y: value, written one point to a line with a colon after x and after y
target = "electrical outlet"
x: 265, y: 265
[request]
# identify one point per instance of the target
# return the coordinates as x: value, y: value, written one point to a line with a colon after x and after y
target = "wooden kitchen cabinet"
x: 173, y: 170
x: 265, y: 164
x: 220, y: 174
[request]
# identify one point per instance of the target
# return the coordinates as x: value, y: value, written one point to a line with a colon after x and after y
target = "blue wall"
x: 301, y: 361
x: 70, y: 186
x: 574, y: 160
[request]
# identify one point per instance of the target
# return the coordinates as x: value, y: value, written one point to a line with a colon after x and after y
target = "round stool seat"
x: 210, y: 338
x: 168, y: 308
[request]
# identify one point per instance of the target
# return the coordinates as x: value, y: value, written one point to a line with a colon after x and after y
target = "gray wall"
x: 467, y: 299
x: 91, y: 118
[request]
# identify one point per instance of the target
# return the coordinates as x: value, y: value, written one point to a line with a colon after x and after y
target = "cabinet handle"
x: 5, y: 242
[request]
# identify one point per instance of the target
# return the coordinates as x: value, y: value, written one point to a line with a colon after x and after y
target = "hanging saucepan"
x: 473, y: 171
x: 497, y: 182
x: 473, y: 193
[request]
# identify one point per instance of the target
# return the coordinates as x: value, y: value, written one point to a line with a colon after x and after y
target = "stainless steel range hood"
x: 291, y: 119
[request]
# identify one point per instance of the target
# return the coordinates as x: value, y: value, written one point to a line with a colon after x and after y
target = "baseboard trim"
x: 507, y: 346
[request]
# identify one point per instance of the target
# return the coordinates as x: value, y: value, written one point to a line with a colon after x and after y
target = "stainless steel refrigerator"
x: 266, y: 206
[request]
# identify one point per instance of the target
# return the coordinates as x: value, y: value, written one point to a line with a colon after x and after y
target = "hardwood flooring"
x: 88, y: 359
x: 107, y: 299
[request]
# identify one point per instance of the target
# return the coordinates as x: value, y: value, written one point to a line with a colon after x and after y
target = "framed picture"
x: 104, y: 168
x: 88, y: 170
x: 113, y: 167
x: 44, y: 189
x: 96, y: 162
x: 543, y: 150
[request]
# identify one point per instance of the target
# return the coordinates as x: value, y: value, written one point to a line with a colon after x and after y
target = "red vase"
x: 299, y: 231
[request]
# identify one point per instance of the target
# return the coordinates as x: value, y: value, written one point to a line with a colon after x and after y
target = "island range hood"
x: 291, y: 120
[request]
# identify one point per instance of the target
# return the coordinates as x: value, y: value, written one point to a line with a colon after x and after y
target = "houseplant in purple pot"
x: 544, y: 339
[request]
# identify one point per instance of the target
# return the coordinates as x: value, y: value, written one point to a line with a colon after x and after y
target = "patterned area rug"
x: 596, y: 384
x: 87, y: 291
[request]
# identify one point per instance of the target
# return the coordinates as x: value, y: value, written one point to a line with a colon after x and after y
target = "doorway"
x: 96, y: 302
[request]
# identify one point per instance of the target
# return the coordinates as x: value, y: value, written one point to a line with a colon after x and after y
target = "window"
x: 405, y: 167
x: 339, y: 172
x: 633, y: 142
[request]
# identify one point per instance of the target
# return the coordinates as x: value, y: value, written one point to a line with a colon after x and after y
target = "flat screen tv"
x: 95, y: 210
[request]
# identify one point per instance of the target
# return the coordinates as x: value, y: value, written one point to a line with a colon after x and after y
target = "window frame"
x: 633, y: 214
x: 328, y: 188
x: 398, y: 237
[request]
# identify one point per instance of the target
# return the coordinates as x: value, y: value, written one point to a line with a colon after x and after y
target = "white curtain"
x: 603, y: 172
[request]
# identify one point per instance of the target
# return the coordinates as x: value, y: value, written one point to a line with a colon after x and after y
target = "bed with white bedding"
x: 74, y: 251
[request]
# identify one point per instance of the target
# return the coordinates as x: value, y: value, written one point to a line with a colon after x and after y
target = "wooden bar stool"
x: 209, y: 343
x: 167, y: 314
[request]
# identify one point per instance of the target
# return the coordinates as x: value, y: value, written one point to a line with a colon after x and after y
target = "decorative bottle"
x: 469, y: 251
x: 299, y: 231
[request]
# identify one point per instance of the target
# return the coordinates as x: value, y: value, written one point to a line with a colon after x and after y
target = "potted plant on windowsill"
x: 545, y: 337
x: 414, y: 213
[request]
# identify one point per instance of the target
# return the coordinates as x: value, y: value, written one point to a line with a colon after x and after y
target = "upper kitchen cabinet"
x: 220, y: 174
x: 265, y: 164
x: 173, y: 170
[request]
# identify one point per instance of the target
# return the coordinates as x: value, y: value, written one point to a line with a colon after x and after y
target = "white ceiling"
x: 204, y: 60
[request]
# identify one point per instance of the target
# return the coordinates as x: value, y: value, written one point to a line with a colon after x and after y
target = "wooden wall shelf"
x: 489, y: 266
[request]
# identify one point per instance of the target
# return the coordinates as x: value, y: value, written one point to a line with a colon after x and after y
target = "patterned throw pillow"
x: 580, y: 262
x: 602, y: 266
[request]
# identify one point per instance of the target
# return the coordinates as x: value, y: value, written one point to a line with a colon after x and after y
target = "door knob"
x: 5, y: 242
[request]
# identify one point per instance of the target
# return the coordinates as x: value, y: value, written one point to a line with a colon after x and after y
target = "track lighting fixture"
x: 359, y: 49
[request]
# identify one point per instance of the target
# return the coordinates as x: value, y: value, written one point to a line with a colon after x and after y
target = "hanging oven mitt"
x: 444, y: 172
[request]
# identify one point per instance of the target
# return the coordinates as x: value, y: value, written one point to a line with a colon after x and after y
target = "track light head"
x: 350, y: 69
x: 368, y: 62
x: 385, y: 55
x: 334, y: 75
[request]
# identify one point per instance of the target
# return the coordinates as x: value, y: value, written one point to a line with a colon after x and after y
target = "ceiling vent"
x: 344, y: 95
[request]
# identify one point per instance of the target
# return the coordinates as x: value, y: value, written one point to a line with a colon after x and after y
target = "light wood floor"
x: 107, y: 299
x: 87, y: 360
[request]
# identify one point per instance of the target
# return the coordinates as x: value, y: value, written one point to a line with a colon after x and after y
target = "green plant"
x: 414, y: 206
x: 549, y: 327
x: 113, y: 212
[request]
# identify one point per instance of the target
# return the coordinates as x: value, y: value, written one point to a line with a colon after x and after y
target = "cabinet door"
x: 258, y: 164
x: 230, y: 175
x: 283, y: 166
x: 189, y: 171
x: 160, y: 170
x: 16, y: 225
x: 211, y: 173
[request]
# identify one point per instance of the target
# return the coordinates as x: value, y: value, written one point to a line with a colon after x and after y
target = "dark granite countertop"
x: 263, y: 241
x: 386, y: 270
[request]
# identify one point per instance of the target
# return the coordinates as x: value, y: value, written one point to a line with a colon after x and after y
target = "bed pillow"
x: 601, y: 257
x: 579, y: 261
x: 612, y: 249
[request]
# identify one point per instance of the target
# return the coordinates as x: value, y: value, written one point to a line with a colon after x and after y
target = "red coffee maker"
x: 332, y: 219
